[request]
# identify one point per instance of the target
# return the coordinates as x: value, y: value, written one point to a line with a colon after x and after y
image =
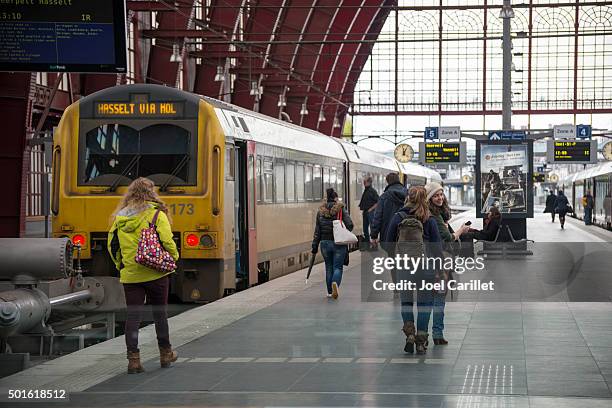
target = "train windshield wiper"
x: 125, y: 171
x: 176, y: 170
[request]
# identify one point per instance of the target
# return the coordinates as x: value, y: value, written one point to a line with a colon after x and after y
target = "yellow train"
x: 243, y: 188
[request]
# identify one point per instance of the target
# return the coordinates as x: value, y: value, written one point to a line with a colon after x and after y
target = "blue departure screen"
x: 62, y: 35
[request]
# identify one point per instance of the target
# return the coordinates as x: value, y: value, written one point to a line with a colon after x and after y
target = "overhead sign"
x: 442, y: 132
x: 507, y: 135
x: 431, y: 133
x: 63, y: 36
x: 584, y: 131
x: 449, y: 132
x: 564, y: 132
x: 572, y: 151
x: 442, y: 152
x: 539, y: 177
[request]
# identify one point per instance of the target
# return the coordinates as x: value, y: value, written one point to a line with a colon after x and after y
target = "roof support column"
x: 507, y: 14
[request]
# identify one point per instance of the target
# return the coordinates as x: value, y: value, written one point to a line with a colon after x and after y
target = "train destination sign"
x: 572, y: 151
x: 138, y: 109
x: 442, y: 152
x: 63, y: 36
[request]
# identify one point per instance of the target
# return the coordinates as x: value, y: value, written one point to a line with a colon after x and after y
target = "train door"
x: 244, y: 212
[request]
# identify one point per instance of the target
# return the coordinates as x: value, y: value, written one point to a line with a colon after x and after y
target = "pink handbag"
x: 150, y: 252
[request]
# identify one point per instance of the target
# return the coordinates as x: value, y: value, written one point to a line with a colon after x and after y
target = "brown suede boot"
x: 421, y: 342
x: 134, y: 365
x: 167, y: 356
x: 409, y: 331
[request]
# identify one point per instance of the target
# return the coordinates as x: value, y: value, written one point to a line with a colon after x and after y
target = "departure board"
x: 572, y: 151
x: 442, y: 152
x: 63, y: 36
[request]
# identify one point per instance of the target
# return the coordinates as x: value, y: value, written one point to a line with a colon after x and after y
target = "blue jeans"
x: 588, y: 216
x: 425, y: 302
x: 437, y: 327
x: 367, y: 220
x: 334, y: 261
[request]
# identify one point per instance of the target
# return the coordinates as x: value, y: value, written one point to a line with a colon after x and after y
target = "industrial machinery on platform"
x: 44, y: 297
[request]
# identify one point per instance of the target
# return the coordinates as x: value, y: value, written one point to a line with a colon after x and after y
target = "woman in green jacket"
x: 440, y: 211
x: 137, y: 209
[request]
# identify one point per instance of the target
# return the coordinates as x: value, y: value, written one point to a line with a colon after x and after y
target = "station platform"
x: 284, y: 343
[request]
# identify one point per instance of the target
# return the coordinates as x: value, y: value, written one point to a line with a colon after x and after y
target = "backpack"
x: 585, y: 201
x: 409, y: 236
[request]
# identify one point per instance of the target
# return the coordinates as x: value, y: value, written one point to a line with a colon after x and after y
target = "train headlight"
x: 207, y: 241
x: 79, y: 239
x: 192, y: 240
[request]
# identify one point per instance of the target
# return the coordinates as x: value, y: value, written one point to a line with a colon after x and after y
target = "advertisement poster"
x: 504, y: 175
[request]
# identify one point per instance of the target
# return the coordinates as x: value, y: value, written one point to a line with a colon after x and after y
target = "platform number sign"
x: 584, y: 131
x: 431, y: 133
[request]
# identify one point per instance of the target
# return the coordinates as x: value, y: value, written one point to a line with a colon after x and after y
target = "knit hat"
x: 432, y: 188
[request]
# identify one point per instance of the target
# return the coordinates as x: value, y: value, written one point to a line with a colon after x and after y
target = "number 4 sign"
x: 583, y: 131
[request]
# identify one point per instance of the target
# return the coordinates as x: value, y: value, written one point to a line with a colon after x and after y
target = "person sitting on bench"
x: 491, y: 225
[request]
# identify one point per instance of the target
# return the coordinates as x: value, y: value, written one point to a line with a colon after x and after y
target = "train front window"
x: 116, y: 154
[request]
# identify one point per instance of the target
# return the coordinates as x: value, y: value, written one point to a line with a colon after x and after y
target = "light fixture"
x: 304, y: 110
x: 506, y: 12
x: 321, y: 117
x: 255, y: 89
x: 336, y: 123
x: 220, y: 76
x: 281, y: 101
x: 176, y: 53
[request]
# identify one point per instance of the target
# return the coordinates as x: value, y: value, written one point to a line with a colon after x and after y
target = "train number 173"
x: 181, y: 209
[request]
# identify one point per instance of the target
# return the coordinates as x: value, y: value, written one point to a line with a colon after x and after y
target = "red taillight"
x: 78, y: 239
x: 192, y: 240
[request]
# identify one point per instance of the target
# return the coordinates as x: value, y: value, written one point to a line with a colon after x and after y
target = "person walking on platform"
x: 333, y: 254
x: 588, y: 203
x: 367, y: 205
x: 440, y: 211
x: 550, y: 204
x: 415, y: 233
x: 141, y: 208
x: 562, y: 207
x: 391, y: 200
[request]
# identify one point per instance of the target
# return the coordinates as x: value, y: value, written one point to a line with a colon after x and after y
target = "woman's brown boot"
x: 134, y: 365
x: 167, y: 356
x: 421, y: 343
x: 409, y: 331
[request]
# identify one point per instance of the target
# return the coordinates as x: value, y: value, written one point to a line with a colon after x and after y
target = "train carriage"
x: 242, y: 188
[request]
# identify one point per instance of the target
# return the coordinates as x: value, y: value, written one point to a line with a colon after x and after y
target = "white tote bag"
x: 342, y: 236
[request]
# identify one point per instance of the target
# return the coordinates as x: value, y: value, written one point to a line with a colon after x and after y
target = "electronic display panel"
x: 504, y: 178
x: 63, y: 36
x: 442, y: 152
x: 572, y: 151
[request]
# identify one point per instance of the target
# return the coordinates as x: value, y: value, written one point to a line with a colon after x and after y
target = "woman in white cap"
x: 440, y: 211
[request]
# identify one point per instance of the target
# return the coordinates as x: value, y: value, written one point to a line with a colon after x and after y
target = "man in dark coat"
x: 588, y: 208
x: 550, y: 204
x: 367, y: 205
x: 391, y: 200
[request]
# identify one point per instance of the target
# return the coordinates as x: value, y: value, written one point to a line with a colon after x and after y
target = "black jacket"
x: 561, y: 205
x: 550, y: 203
x: 324, y: 229
x: 388, y: 204
x: 368, y: 199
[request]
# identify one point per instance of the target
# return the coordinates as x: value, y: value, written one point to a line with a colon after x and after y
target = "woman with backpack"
x: 333, y: 254
x: 440, y: 211
x: 139, y: 209
x: 416, y: 234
